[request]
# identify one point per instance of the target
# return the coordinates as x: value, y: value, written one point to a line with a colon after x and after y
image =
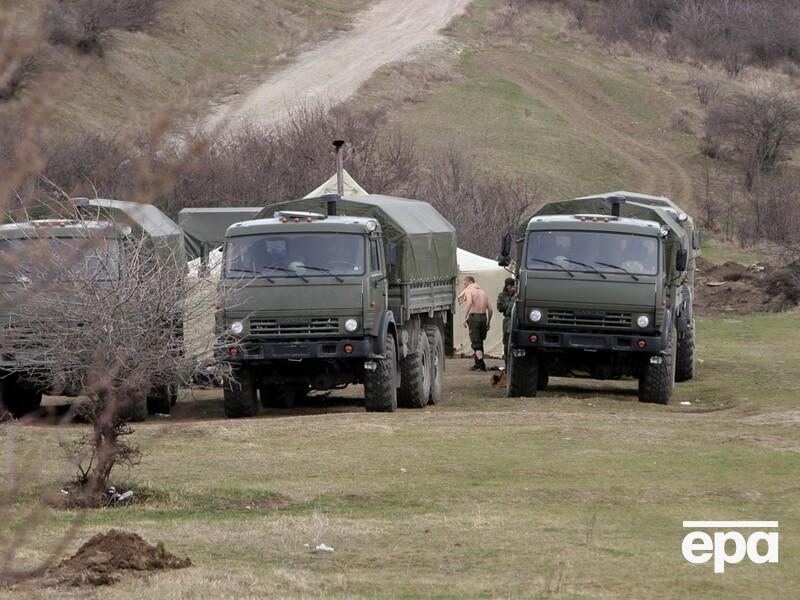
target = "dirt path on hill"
x: 659, y: 172
x: 330, y: 73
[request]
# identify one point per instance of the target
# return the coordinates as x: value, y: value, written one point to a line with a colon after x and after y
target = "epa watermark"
x: 713, y: 540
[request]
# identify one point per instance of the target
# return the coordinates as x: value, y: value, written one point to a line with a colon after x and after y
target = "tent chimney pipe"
x: 339, y: 167
x: 616, y: 202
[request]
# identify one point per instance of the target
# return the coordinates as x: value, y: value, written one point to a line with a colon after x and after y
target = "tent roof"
x: 351, y: 188
x: 467, y: 261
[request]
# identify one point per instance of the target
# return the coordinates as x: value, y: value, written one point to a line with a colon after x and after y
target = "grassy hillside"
x: 198, y: 50
x: 535, y: 98
x: 578, y: 493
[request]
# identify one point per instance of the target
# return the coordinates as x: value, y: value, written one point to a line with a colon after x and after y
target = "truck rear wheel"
x: 134, y: 409
x: 522, y: 379
x: 684, y: 360
x: 239, y: 394
x: 436, y: 343
x: 380, y: 394
x: 415, y: 376
x: 18, y: 399
x: 657, y: 381
x: 160, y: 399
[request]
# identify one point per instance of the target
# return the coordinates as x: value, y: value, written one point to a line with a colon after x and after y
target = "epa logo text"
x: 726, y: 545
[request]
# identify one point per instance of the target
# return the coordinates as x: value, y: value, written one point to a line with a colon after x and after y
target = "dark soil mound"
x: 100, y: 560
x: 734, y: 288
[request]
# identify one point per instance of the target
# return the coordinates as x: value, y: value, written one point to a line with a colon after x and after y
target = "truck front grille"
x: 604, y: 320
x: 273, y: 327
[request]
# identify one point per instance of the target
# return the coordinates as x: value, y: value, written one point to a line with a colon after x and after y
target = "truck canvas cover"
x: 146, y: 218
x: 204, y: 228
x: 600, y: 205
x: 424, y: 240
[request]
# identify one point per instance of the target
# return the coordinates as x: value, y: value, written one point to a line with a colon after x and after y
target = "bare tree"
x: 758, y: 129
x: 104, y: 315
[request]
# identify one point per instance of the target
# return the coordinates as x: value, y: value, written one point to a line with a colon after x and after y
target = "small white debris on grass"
x: 323, y: 548
x: 686, y: 403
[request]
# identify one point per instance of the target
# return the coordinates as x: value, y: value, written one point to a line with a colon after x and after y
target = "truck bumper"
x: 268, y: 351
x: 571, y: 340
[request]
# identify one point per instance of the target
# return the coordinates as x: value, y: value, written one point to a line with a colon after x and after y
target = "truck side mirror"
x: 682, y: 260
x: 696, y: 240
x: 505, y: 250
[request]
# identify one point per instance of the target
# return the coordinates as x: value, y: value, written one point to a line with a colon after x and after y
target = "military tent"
x: 491, y: 278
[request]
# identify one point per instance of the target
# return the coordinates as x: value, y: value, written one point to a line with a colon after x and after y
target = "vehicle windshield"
x: 301, y: 255
x: 590, y: 251
x: 23, y: 259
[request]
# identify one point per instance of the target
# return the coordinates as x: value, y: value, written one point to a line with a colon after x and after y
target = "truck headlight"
x: 351, y: 325
x: 643, y: 321
x: 237, y: 327
x: 536, y: 315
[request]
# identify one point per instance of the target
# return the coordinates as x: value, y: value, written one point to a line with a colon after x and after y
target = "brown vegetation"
x: 87, y: 25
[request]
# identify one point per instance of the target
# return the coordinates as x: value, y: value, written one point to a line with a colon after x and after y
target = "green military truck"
x: 112, y: 221
x: 324, y: 292
x: 605, y: 291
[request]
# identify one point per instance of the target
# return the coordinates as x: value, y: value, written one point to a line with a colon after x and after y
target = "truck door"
x: 377, y: 294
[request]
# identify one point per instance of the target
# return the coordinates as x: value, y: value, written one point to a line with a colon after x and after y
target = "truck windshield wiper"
x: 575, y: 262
x: 282, y: 270
x: 635, y: 278
x: 547, y: 262
x: 324, y: 270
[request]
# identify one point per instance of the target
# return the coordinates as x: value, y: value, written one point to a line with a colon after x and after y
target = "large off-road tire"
x: 522, y: 379
x: 18, y: 399
x: 684, y: 358
x: 282, y: 396
x: 415, y: 376
x: 436, y: 343
x: 543, y: 379
x: 656, y: 382
x: 134, y: 410
x: 159, y: 400
x: 380, y: 394
x: 240, y: 398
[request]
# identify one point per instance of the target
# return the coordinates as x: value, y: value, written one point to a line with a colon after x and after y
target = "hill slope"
x: 533, y: 98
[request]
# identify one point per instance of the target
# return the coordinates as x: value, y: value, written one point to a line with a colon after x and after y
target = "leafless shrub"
x: 681, y: 121
x: 705, y: 88
x: 86, y: 25
x: 17, y: 76
x: 758, y: 129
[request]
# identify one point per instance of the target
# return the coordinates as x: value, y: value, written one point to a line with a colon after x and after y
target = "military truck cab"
x: 317, y: 301
x: 605, y: 292
x: 92, y: 243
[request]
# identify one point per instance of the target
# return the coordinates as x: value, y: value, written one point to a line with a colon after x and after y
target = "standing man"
x: 478, y: 318
x: 505, y: 302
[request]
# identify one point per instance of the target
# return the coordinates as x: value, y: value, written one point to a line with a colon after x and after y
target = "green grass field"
x: 578, y: 493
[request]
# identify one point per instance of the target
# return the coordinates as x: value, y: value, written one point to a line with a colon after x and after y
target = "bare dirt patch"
x: 742, y: 289
x: 103, y: 559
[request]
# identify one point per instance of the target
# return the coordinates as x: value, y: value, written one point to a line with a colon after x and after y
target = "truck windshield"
x: 23, y: 259
x: 295, y: 255
x: 603, y: 252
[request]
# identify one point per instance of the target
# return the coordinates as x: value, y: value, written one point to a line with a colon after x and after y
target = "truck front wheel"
x: 239, y: 395
x: 657, y: 380
x: 522, y: 379
x: 415, y: 376
x: 380, y: 394
x: 684, y: 361
x: 436, y: 343
x: 160, y: 399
